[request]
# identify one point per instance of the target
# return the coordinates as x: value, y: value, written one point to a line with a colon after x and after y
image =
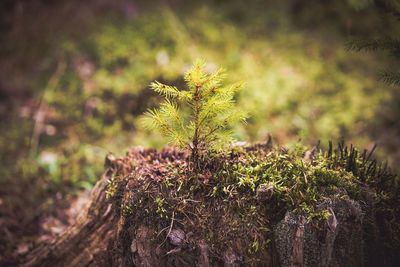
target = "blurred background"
x: 74, y: 79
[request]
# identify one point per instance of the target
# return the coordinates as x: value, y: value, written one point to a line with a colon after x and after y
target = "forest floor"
x: 235, y: 201
x: 74, y: 80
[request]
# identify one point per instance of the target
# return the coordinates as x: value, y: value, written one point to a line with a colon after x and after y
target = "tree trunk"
x: 105, y: 236
x: 89, y: 241
x: 102, y: 237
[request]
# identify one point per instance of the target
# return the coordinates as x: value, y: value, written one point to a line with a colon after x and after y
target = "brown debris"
x: 310, y: 154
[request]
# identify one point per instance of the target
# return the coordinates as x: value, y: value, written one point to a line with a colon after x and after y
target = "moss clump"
x: 241, y: 194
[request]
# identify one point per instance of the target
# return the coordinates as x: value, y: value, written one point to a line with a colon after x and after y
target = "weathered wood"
x: 104, y: 236
x: 85, y: 242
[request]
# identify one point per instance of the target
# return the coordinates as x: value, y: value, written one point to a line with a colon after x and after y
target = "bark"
x: 102, y: 236
x: 87, y: 242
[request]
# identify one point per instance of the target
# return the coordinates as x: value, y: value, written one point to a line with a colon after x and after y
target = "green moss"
x: 224, y: 205
x: 111, y: 187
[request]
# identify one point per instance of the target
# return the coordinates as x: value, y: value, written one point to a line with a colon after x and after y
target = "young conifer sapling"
x: 211, y: 110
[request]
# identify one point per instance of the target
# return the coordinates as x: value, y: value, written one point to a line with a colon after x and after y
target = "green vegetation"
x: 388, y: 44
x: 245, y: 191
x: 299, y: 83
x: 385, y: 46
x: 212, y: 110
x: 71, y: 92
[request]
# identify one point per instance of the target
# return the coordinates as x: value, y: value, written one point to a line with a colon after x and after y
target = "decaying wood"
x: 96, y: 238
x: 102, y: 236
x: 84, y: 243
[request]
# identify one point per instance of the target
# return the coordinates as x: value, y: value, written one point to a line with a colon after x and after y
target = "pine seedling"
x: 211, y: 111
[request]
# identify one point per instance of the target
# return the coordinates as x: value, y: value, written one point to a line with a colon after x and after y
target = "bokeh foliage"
x: 73, y: 86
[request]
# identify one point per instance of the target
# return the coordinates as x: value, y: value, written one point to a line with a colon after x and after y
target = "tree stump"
x: 196, y: 229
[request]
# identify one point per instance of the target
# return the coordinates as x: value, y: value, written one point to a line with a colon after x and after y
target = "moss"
x: 223, y: 205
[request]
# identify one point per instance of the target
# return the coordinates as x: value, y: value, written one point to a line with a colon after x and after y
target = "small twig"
x: 187, y: 217
x: 198, y: 218
x: 162, y: 230
x: 170, y: 229
x: 175, y: 250
x: 191, y: 200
